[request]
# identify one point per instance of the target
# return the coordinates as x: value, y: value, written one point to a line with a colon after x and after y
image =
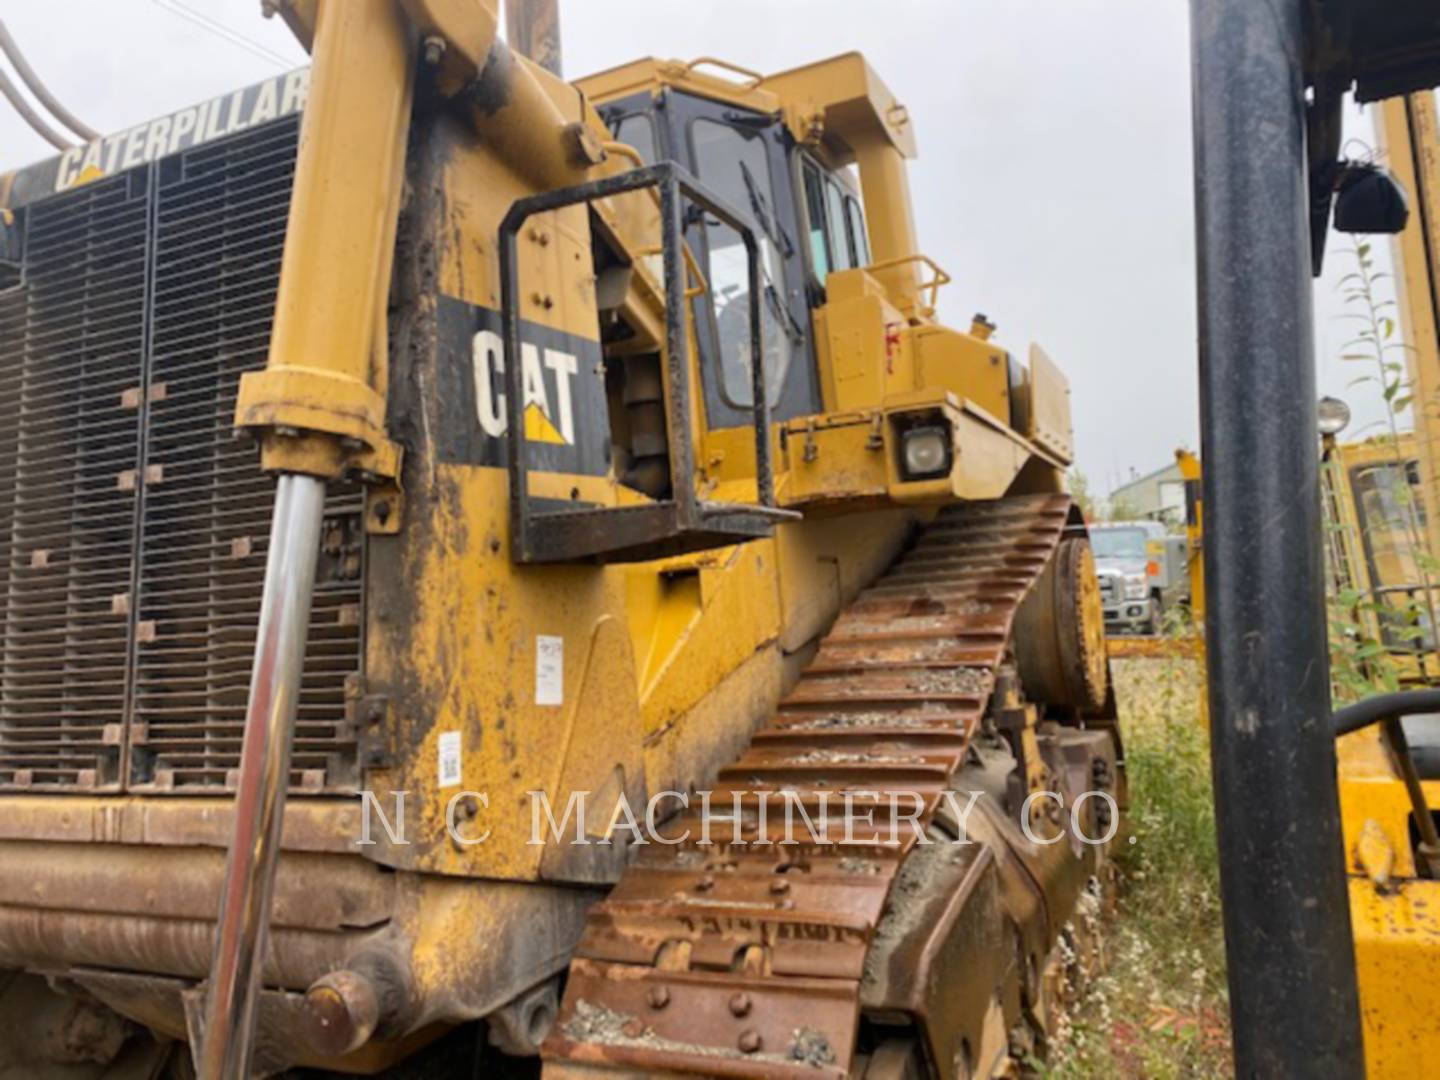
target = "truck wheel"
x: 1152, y: 620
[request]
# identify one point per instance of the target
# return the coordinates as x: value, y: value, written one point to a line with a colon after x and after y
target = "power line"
x: 220, y: 30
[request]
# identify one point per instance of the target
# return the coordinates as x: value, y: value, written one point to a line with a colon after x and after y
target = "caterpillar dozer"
x: 417, y: 468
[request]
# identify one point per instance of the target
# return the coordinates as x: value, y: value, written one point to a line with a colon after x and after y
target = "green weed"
x: 1160, y: 1010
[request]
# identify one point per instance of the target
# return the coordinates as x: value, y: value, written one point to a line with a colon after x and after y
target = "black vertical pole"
x: 1287, y: 924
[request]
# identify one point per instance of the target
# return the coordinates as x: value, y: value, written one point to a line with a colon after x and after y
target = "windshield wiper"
x: 762, y: 211
x: 793, y: 330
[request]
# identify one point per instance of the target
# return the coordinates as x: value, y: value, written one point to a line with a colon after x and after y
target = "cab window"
x: 839, y: 233
x: 734, y: 164
x: 637, y: 130
x: 855, y: 218
x: 1392, y: 517
x: 836, y: 223
x: 815, y: 211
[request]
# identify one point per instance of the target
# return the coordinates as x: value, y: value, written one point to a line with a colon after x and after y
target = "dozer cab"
x: 447, y: 508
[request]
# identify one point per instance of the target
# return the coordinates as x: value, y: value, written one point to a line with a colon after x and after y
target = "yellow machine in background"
x: 1379, y: 537
x: 1376, y: 523
x: 1375, y: 549
x: 615, y: 452
x: 1194, y: 534
x: 1380, y: 497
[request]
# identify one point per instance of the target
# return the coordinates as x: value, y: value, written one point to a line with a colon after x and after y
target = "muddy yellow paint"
x: 667, y: 666
x: 1397, y: 954
x: 327, y: 367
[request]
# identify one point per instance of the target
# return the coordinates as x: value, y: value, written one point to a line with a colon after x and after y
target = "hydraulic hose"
x: 30, y: 116
x: 40, y: 90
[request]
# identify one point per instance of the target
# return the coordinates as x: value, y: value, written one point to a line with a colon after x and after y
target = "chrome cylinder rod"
x: 229, y: 1024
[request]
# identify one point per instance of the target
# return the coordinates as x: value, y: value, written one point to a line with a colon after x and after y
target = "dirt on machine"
x: 494, y: 558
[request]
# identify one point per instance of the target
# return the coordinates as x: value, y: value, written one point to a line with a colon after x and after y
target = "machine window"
x: 815, y: 211
x: 733, y: 163
x: 1392, y: 516
x: 637, y: 130
x: 855, y: 220
x: 835, y: 204
x: 837, y: 223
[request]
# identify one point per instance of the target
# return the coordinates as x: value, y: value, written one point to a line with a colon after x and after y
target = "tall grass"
x: 1160, y: 1009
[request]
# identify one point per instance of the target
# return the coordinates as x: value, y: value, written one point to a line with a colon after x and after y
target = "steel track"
x: 742, y: 958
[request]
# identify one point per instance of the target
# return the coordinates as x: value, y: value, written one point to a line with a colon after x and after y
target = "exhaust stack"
x: 532, y: 28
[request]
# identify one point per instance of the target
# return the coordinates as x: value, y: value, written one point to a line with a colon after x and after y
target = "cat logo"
x: 250, y: 107
x: 549, y: 391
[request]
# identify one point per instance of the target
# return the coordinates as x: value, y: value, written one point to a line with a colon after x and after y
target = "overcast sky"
x: 1053, y: 182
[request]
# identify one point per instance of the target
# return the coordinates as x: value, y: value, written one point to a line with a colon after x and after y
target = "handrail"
x: 941, y: 277
x: 627, y: 151
x: 701, y: 286
x: 675, y: 185
x: 754, y: 77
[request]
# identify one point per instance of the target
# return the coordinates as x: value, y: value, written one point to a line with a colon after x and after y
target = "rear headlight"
x: 925, y: 452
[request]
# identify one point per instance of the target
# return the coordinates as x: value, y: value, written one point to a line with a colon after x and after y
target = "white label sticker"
x: 449, y: 768
x: 549, y: 670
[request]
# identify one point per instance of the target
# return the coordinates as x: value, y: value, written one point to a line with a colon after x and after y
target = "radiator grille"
x: 125, y: 670
x: 72, y: 341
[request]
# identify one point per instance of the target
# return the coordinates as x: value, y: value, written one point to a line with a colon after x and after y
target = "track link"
x: 740, y: 958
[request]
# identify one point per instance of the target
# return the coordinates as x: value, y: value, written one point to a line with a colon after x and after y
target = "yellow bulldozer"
x: 500, y: 559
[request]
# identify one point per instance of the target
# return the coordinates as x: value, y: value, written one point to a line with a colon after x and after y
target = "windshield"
x: 1392, y: 521
x: 732, y: 162
x: 1118, y: 543
x: 1393, y: 518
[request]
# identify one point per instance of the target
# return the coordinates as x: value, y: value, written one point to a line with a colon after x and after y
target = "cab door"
x: 742, y: 156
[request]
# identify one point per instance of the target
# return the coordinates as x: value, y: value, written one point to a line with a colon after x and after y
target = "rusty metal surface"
x: 947, y: 917
x: 1060, y: 631
x: 328, y: 825
x: 122, y: 880
x: 35, y: 937
x: 159, y: 1003
x: 738, y: 960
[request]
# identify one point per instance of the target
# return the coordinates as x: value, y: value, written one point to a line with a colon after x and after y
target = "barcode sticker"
x: 549, y: 670
x: 449, y: 769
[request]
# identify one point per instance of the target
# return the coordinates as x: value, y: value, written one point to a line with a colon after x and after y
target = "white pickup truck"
x: 1142, y: 573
